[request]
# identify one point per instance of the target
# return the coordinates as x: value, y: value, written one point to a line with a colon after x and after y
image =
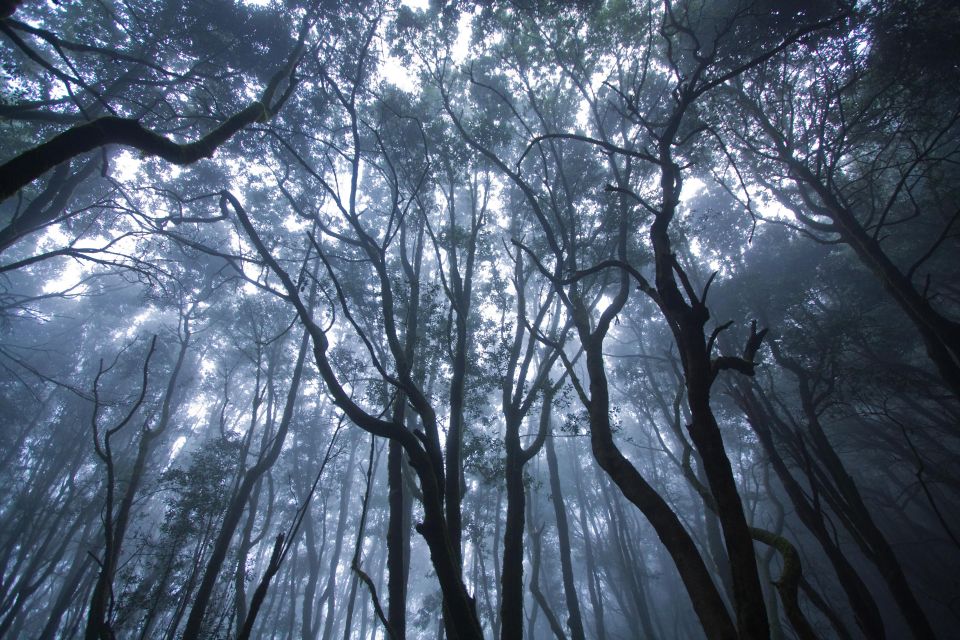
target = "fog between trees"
x: 523, y: 320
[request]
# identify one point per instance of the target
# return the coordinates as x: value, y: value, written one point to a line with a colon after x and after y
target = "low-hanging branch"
x: 33, y: 163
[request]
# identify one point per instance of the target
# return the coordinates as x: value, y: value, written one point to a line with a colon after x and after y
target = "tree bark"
x: 687, y: 319
x: 261, y: 592
x: 330, y: 590
x: 99, y: 626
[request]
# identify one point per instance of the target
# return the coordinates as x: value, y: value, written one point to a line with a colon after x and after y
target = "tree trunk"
x: 872, y: 541
x: 574, y: 620
x: 512, y: 593
x: 238, y: 503
x: 865, y: 609
x: 329, y: 593
x: 593, y: 580
x: 693, y: 571
x: 397, y: 543
x: 68, y: 588
x: 687, y: 319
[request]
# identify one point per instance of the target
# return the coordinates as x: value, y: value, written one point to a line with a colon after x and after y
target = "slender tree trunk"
x: 454, y: 445
x: 261, y: 592
x: 940, y: 334
x: 459, y: 292
x: 593, y: 580
x: 199, y: 553
x: 865, y: 609
x: 877, y: 549
x: 535, y: 535
x: 238, y: 503
x: 687, y: 320
x: 511, y: 609
x: 574, y: 620
x: 158, y: 587
x: 397, y: 547
x: 115, y: 524
x: 497, y: 621
x: 766, y: 559
x: 68, y: 588
x: 240, y: 575
x: 632, y: 567
x: 361, y: 534
x: 308, y: 630
x: 329, y: 594
x: 703, y: 593
x: 30, y: 580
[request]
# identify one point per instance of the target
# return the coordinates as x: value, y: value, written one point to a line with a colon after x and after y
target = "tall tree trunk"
x: 397, y: 543
x: 631, y: 566
x: 459, y: 292
x: 99, y: 625
x: 308, y: 629
x: 865, y: 609
x: 872, y: 541
x: 593, y: 580
x: 361, y: 533
x: 329, y: 594
x: 453, y: 489
x: 511, y: 609
x: 240, y: 575
x: 687, y: 319
x: 574, y: 620
x: 246, y: 626
x: 78, y: 569
x: 703, y: 593
x: 940, y: 334
x: 538, y: 596
x: 238, y: 503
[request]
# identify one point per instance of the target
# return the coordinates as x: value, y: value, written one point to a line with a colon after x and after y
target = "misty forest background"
x: 523, y: 319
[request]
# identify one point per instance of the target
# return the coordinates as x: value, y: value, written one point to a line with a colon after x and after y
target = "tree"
x: 419, y: 270
x: 867, y: 155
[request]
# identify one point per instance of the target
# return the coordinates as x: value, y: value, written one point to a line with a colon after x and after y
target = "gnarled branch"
x: 33, y: 163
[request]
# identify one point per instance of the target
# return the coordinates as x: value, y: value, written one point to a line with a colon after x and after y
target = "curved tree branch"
x: 33, y: 163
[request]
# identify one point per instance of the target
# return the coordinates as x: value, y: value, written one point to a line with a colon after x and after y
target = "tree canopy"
x: 520, y: 319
